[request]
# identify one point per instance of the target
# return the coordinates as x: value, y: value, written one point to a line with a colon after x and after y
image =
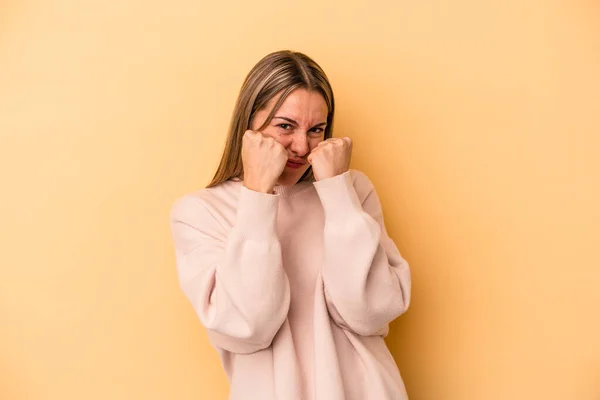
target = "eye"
x: 316, y: 131
x: 285, y: 127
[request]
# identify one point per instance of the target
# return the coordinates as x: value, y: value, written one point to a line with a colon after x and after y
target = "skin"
x: 296, y: 133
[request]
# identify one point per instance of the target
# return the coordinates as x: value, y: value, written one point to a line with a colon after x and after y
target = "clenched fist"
x: 331, y: 157
x: 263, y: 159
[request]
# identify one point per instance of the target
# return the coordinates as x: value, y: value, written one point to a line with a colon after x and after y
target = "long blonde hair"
x: 279, y: 72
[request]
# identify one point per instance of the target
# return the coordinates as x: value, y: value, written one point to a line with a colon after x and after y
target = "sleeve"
x: 233, y: 278
x: 367, y: 282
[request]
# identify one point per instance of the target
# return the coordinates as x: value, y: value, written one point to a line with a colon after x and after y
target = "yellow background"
x: 478, y: 122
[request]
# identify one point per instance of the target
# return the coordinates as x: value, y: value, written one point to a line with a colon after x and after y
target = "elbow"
x: 373, y: 320
x: 248, y: 335
x: 371, y: 325
x: 243, y: 326
x: 243, y: 345
x: 237, y: 345
x: 243, y: 331
x: 263, y: 331
x: 263, y: 321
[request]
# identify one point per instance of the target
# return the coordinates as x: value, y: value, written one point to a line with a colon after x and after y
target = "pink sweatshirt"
x: 296, y: 289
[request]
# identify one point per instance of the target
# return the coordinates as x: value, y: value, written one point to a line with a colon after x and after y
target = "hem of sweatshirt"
x: 257, y: 214
x: 338, y: 196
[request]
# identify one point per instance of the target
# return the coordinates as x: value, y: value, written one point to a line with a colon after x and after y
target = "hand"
x: 263, y: 159
x: 331, y: 157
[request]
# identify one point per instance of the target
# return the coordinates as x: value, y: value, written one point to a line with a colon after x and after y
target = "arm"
x: 234, y: 280
x: 367, y: 282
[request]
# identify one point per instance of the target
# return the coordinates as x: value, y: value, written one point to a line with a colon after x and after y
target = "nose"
x: 300, y: 144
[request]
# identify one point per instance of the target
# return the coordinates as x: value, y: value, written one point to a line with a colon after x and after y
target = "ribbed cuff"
x: 257, y: 214
x: 338, y: 197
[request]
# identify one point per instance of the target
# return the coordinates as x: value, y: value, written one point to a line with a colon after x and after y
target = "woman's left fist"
x: 331, y: 157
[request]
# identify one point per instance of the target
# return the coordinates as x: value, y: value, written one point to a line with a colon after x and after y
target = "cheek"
x: 314, y: 143
x: 282, y: 139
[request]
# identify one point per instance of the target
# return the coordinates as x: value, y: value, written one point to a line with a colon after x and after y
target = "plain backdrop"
x: 477, y: 121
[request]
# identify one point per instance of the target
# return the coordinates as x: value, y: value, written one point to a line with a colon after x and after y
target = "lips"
x: 295, y: 163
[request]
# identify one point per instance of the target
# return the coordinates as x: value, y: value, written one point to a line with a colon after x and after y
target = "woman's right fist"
x: 264, y: 160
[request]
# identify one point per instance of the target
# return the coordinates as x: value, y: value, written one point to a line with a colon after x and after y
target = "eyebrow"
x: 295, y: 123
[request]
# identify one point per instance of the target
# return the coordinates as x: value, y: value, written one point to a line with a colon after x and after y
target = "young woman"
x: 285, y: 256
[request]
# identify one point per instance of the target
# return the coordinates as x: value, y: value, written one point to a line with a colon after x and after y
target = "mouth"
x: 295, y: 164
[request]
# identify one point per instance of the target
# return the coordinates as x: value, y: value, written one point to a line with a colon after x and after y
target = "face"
x: 299, y: 126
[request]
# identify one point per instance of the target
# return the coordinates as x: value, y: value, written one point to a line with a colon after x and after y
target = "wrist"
x: 261, y: 188
x: 329, y: 175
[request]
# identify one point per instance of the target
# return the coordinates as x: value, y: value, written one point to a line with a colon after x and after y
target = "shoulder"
x: 205, y: 202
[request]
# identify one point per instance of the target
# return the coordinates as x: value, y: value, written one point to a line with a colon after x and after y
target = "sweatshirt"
x: 296, y: 289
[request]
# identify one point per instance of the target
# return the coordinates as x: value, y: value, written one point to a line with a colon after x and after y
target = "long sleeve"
x: 234, y: 277
x: 367, y: 282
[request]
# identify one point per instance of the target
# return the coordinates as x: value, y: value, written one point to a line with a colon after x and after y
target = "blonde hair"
x: 279, y: 72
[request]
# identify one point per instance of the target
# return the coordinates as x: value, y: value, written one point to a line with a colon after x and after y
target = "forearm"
x: 238, y: 287
x: 367, y: 282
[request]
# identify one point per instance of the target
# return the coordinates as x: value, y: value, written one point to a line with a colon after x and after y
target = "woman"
x: 285, y: 256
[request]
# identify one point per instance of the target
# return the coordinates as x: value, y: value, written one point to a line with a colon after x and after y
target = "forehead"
x: 302, y: 103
